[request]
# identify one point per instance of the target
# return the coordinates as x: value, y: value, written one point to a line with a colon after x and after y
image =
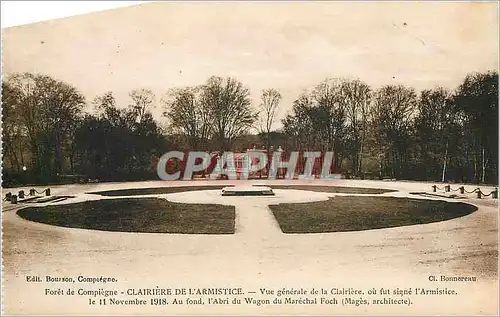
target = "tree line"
x: 51, y: 133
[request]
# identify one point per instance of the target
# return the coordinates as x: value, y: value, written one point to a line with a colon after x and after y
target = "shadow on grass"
x: 356, y: 213
x: 171, y: 190
x: 151, y: 215
x: 155, y: 190
x: 336, y: 189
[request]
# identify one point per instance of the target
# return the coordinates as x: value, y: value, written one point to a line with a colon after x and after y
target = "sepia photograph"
x: 251, y: 158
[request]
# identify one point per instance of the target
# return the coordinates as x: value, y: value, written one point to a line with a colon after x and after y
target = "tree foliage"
x: 268, y: 108
x: 42, y: 112
x: 189, y: 116
x: 392, y: 131
x: 219, y: 111
x: 229, y: 103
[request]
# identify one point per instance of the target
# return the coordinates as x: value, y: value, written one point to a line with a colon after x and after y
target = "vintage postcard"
x: 252, y: 158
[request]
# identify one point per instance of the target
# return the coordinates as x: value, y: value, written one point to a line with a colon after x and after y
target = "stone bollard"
x: 479, y: 194
x: 434, y: 188
x: 13, y: 199
x: 47, y: 192
x: 462, y: 190
x: 447, y: 188
x: 494, y: 194
x: 8, y: 196
x: 32, y: 192
x: 21, y: 194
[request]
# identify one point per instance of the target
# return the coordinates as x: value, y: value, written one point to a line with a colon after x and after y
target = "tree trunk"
x: 268, y: 142
x: 13, y: 156
x: 483, y: 163
x: 445, y: 161
x: 380, y: 172
x: 360, y: 159
x: 474, y: 162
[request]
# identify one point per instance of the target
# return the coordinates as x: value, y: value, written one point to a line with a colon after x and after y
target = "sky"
x: 289, y: 46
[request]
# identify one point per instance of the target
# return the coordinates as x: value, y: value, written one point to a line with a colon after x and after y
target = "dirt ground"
x: 258, y: 255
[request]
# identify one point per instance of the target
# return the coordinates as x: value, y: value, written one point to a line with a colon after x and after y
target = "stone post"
x: 494, y: 194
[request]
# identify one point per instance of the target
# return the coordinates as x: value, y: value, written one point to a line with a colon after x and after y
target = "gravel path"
x: 257, y: 255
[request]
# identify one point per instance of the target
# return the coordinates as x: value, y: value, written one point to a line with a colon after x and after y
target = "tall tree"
x: 297, y: 125
x: 393, y: 112
x: 228, y: 102
x: 268, y: 108
x: 49, y: 110
x: 189, y: 116
x: 142, y: 103
x: 318, y: 119
x: 328, y: 115
x: 118, y: 143
x: 357, y: 97
x: 436, y: 133
x: 477, y: 99
x: 13, y: 132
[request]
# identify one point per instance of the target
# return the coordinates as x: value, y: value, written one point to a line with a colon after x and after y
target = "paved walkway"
x: 258, y: 255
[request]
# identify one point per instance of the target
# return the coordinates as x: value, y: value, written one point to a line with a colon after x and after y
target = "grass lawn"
x: 336, y: 189
x: 137, y: 215
x: 155, y: 190
x: 170, y: 190
x: 363, y: 213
